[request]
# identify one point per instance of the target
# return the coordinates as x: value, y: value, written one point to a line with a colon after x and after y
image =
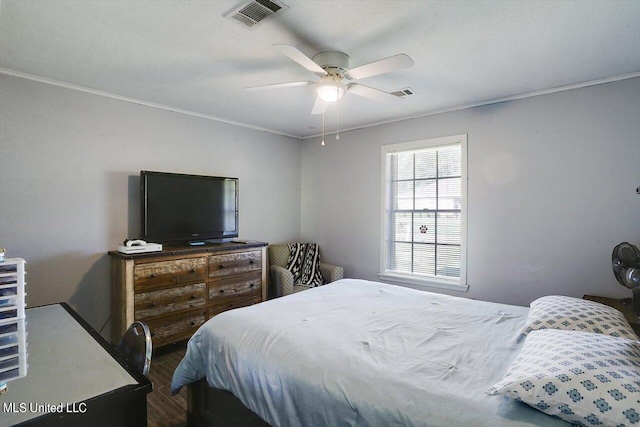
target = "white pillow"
x: 586, y: 379
x: 575, y: 314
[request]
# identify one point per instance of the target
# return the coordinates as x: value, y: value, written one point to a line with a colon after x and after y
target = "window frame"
x: 414, y: 279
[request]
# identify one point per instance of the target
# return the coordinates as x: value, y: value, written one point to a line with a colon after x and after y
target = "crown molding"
x: 489, y: 102
x: 138, y: 101
x: 275, y: 132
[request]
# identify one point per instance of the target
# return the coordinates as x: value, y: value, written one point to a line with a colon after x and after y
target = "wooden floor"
x: 164, y: 410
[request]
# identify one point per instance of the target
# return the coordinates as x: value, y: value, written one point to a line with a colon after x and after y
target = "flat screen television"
x: 188, y: 208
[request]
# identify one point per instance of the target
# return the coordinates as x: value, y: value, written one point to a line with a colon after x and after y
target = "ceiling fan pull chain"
x: 338, y: 121
x: 323, y: 128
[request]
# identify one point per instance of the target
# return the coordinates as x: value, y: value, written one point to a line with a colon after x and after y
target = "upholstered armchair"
x: 282, y: 281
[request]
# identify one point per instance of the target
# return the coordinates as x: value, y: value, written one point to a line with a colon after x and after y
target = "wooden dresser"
x: 177, y: 290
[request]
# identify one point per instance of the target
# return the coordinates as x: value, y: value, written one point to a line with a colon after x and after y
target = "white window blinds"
x: 423, y: 209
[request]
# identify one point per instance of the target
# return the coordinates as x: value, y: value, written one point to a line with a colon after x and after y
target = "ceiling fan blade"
x: 279, y: 85
x: 319, y: 107
x: 392, y: 63
x: 371, y: 93
x: 300, y: 58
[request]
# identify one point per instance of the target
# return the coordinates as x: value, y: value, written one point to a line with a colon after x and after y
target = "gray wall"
x: 69, y: 168
x: 551, y: 191
x: 551, y: 187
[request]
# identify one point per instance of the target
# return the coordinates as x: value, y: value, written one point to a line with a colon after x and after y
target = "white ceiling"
x: 185, y: 55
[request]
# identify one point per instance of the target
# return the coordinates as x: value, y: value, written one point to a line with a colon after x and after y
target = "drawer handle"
x: 193, y: 270
x: 221, y: 266
x: 193, y: 323
x: 251, y: 285
x: 192, y: 297
x: 153, y: 304
x: 152, y: 275
x: 252, y: 262
x: 222, y: 291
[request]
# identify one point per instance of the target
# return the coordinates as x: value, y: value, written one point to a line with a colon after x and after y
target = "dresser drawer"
x: 234, y: 263
x: 168, y: 273
x: 228, y: 287
x: 167, y: 301
x: 175, y: 328
x: 231, y: 303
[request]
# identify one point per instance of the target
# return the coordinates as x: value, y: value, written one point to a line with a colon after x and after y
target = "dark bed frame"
x: 213, y: 407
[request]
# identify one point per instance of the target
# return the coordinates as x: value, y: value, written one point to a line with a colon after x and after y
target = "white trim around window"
x: 390, y: 206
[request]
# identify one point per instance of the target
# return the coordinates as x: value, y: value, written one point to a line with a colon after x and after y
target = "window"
x: 424, y: 213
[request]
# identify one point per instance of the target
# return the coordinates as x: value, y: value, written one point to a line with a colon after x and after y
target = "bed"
x: 357, y: 353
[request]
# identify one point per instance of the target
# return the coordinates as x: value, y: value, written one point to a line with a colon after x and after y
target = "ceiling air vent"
x: 251, y: 13
x: 407, y: 91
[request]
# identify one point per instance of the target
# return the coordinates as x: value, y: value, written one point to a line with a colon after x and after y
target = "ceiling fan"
x: 336, y: 76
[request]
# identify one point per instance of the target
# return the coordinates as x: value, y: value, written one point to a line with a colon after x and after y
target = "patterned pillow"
x: 574, y: 314
x: 583, y: 378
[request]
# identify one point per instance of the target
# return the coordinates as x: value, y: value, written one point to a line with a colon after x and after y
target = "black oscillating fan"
x: 625, y: 260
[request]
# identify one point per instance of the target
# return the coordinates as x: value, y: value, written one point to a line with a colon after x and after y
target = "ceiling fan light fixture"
x: 330, y: 89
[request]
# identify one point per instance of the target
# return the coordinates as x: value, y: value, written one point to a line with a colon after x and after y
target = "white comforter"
x: 360, y: 353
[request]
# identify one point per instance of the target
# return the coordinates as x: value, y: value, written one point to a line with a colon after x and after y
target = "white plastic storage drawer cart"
x: 13, y: 335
